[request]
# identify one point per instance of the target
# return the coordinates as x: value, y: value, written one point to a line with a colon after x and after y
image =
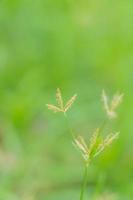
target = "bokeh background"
x: 82, y: 47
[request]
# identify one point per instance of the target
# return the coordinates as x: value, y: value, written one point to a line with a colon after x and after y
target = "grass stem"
x: 69, y: 126
x: 83, y: 187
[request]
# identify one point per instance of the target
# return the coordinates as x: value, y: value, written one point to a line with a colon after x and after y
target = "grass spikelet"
x: 69, y: 103
x: 106, y: 142
x: 110, y: 138
x: 59, y: 98
x: 80, y: 144
x: 117, y: 99
x: 53, y: 108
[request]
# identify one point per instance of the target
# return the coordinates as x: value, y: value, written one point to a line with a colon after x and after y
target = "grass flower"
x: 111, y: 107
x: 96, y: 145
x: 61, y: 107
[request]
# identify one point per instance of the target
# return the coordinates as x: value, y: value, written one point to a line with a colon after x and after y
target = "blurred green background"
x: 82, y: 47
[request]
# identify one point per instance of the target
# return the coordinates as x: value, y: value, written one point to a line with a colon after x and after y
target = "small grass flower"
x: 96, y: 145
x: 111, y: 107
x: 60, y: 103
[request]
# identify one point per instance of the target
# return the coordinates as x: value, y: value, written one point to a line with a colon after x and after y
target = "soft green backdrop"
x: 82, y: 47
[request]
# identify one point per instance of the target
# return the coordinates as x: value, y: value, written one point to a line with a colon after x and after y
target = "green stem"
x: 105, y: 122
x: 83, y: 187
x: 69, y: 127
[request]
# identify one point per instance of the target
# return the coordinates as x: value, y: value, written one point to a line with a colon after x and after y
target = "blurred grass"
x: 79, y: 46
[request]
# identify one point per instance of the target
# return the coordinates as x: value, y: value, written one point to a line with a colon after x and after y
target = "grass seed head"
x: 59, y: 98
x: 53, y: 108
x: 111, y: 107
x: 60, y: 107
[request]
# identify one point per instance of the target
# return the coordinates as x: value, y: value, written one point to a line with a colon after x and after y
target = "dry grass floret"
x: 61, y: 107
x: 111, y: 107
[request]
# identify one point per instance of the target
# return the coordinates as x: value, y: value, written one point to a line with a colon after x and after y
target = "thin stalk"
x: 105, y: 122
x: 68, y: 125
x: 83, y: 187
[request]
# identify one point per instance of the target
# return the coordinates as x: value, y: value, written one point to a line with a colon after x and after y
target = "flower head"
x: 60, y: 104
x: 96, y: 145
x: 111, y: 107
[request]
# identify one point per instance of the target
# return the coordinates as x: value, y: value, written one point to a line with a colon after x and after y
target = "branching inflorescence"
x: 97, y: 143
x: 61, y: 107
